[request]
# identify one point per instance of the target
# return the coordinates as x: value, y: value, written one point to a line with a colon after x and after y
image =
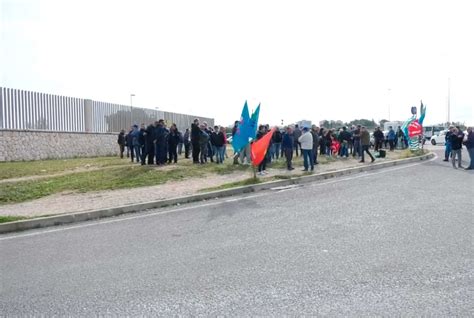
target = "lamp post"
x: 131, y: 109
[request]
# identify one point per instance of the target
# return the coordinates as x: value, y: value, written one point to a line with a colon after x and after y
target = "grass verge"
x: 19, y: 169
x: 10, y: 218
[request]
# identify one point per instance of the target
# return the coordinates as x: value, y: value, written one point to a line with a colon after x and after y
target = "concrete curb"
x: 98, y: 214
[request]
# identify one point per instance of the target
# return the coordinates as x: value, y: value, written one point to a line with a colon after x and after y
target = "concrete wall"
x: 18, y: 145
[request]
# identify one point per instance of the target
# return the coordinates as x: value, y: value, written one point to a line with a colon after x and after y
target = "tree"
x: 382, y: 123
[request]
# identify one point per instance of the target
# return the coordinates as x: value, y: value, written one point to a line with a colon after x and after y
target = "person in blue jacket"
x: 391, y: 136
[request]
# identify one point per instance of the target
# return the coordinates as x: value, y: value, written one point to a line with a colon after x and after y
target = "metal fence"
x: 26, y: 110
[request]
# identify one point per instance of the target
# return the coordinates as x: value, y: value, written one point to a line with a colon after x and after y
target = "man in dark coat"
x: 149, y: 144
x: 315, y: 133
x: 195, y: 135
x: 287, y: 145
x: 296, y: 136
x: 142, y: 143
x: 121, y: 142
x: 159, y: 139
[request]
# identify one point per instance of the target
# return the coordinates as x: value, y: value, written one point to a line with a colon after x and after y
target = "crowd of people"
x: 160, y: 145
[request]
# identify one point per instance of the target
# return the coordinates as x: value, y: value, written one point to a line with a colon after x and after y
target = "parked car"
x: 439, y: 138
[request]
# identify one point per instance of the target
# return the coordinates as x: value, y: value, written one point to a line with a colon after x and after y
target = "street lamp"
x: 131, y: 108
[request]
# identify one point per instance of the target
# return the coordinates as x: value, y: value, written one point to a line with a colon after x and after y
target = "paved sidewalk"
x: 81, y: 202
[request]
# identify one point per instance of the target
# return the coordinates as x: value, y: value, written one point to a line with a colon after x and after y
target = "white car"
x: 439, y: 138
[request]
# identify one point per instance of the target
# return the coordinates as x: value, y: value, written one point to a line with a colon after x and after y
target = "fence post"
x: 88, y: 115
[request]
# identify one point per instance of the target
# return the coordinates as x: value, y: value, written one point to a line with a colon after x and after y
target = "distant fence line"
x: 25, y: 110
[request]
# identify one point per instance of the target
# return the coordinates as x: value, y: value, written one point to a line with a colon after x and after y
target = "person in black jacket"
x: 219, y: 142
x: 173, y: 141
x: 129, y: 144
x: 195, y: 135
x: 315, y: 133
x: 287, y: 144
x: 344, y: 138
x: 276, y: 144
x: 121, y: 142
x: 160, y: 135
x: 142, y: 143
x: 378, y: 138
x: 149, y: 145
x: 456, y: 139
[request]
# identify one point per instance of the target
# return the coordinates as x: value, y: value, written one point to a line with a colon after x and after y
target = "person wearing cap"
x: 306, y: 142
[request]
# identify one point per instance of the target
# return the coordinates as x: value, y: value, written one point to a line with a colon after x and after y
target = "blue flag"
x: 254, y: 123
x: 241, y: 137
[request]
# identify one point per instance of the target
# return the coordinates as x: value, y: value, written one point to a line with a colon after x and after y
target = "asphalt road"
x: 392, y: 242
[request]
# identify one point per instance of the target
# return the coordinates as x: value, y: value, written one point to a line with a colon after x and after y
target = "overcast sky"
x: 301, y: 59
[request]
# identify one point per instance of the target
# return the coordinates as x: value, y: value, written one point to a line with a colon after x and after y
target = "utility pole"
x: 449, y: 100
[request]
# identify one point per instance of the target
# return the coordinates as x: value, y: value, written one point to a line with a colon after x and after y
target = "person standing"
x: 142, y: 143
x: 365, y: 143
x: 262, y: 167
x: 195, y: 137
x: 400, y: 138
x: 181, y: 143
x: 276, y: 144
x: 344, y: 139
x: 356, y: 138
x: 296, y: 136
x: 469, y: 143
x: 150, y: 146
x: 219, y: 143
x: 129, y: 143
x: 135, y: 143
x: 315, y: 133
x: 121, y: 142
x: 159, y: 139
x: 173, y: 141
x: 287, y: 145
x: 214, y: 135
x: 447, y: 143
x: 391, y: 138
x: 203, y: 144
x: 322, y: 143
x: 456, y: 140
x: 306, y: 143
x: 187, y: 143
x: 378, y: 138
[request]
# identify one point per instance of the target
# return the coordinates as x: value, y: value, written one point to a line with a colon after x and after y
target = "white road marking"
x: 121, y: 219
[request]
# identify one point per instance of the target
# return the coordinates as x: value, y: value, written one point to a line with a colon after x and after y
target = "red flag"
x: 258, y: 150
